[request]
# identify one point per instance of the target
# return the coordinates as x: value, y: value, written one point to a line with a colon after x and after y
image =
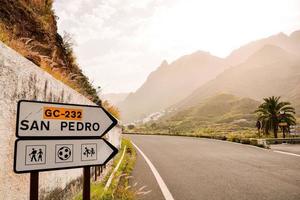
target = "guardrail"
x: 283, y: 140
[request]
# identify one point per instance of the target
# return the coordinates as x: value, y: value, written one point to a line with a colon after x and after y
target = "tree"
x: 130, y: 126
x: 258, y: 126
x: 270, y: 114
x: 153, y: 125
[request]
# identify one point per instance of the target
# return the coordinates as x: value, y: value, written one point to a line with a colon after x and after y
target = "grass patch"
x: 119, y: 188
x: 63, y: 193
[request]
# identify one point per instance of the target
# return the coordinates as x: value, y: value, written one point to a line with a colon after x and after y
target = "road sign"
x: 44, y: 155
x: 295, y: 130
x: 46, y: 119
x: 283, y: 124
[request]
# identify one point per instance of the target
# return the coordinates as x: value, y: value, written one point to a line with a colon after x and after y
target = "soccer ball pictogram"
x: 64, y: 153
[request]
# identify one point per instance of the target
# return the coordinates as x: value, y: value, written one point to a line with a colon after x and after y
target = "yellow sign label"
x: 62, y: 113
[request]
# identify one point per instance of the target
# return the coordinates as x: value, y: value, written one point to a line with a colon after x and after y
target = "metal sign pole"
x: 86, y: 194
x: 95, y: 173
x: 34, y: 185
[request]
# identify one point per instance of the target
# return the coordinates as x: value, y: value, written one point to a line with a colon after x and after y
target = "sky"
x: 119, y: 42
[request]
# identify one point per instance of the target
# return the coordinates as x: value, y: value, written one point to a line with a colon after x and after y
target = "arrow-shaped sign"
x: 44, y: 155
x: 47, y: 119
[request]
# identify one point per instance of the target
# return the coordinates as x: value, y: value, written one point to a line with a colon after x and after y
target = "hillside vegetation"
x: 220, y: 114
x: 29, y: 27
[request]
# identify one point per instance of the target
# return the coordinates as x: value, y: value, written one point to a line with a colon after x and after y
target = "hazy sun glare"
x: 219, y: 26
x: 121, y: 42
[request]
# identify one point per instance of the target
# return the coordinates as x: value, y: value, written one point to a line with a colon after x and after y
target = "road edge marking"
x: 163, y: 187
x: 286, y: 153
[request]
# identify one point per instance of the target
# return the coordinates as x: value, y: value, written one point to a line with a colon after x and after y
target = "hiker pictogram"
x: 40, y: 155
x: 35, y: 154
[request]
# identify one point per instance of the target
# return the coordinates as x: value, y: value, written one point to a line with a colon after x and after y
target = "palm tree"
x: 272, y: 111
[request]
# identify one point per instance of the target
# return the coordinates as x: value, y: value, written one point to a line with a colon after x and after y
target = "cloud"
x: 95, y: 19
x: 108, y: 42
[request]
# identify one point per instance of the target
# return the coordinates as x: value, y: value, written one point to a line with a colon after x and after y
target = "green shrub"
x: 130, y: 126
x: 253, y: 142
x: 245, y: 140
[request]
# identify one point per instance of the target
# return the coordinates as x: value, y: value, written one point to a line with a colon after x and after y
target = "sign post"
x: 34, y: 185
x: 86, y: 193
x: 294, y: 130
x: 95, y: 173
x: 53, y: 136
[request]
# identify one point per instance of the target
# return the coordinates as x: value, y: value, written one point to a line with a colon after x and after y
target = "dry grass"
x: 4, y: 34
x: 29, y: 27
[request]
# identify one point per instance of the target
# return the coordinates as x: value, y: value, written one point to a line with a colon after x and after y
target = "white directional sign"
x: 43, y: 155
x: 295, y: 130
x: 45, y: 119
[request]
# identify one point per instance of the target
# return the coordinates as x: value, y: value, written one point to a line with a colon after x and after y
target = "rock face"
x: 289, y: 43
x: 271, y: 71
x: 21, y: 79
x: 170, y: 84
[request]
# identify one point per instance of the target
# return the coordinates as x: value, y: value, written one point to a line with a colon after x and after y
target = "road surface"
x: 289, y: 148
x: 195, y: 168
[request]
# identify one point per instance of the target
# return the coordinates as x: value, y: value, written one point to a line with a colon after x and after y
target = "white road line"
x: 287, y: 153
x: 163, y: 187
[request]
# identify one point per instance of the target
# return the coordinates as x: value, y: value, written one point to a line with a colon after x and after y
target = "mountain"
x: 269, y: 71
x: 265, y: 67
x: 289, y: 43
x: 169, y: 84
x: 218, y: 109
x: 114, y: 98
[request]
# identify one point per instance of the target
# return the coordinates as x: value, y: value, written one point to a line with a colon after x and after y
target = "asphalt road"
x: 290, y: 148
x: 197, y: 169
